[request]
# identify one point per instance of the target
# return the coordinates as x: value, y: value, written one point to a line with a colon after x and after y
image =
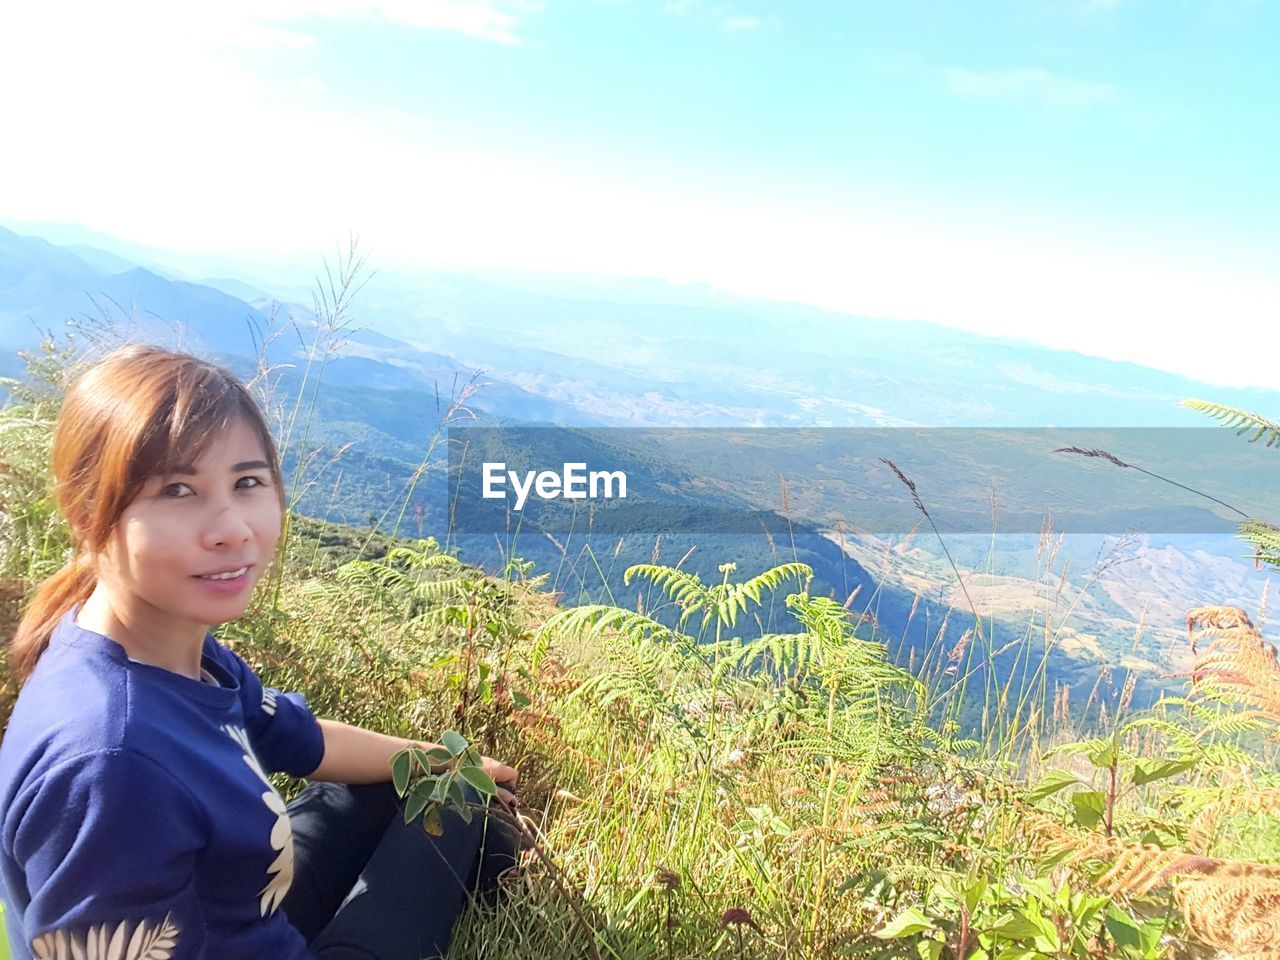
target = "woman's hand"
x: 505, y: 777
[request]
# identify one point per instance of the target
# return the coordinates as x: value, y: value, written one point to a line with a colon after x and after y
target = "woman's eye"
x: 257, y: 482
x: 174, y: 490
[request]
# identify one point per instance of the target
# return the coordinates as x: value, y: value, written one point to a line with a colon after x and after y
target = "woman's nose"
x: 228, y: 526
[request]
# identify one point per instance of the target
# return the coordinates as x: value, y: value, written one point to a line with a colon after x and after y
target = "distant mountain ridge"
x: 42, y: 286
x: 649, y: 354
x: 547, y: 357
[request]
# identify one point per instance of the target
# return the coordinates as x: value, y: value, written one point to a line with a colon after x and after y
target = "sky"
x: 1096, y: 175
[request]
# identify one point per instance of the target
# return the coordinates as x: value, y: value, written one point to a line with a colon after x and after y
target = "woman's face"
x: 183, y: 530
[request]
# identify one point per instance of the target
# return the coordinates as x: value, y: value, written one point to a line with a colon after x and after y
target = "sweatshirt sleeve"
x: 107, y: 843
x: 285, y: 733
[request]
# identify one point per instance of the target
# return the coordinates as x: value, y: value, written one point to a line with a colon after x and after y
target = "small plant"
x: 1030, y: 918
x: 1123, y: 772
x: 442, y: 772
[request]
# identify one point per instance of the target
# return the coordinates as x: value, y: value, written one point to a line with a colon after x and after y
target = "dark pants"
x: 368, y: 886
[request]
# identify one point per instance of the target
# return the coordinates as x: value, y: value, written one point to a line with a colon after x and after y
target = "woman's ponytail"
x: 67, y: 588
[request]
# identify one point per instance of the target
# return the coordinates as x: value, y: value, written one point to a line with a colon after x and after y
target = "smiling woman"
x: 137, y: 819
x: 133, y: 425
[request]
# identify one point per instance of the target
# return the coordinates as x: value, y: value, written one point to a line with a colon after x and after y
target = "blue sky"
x: 1092, y: 174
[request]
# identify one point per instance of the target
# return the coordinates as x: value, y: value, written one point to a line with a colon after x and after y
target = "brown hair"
x: 137, y: 412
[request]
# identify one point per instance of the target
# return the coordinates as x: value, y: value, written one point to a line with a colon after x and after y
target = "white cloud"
x: 1026, y: 85
x: 258, y: 22
x: 736, y: 22
x: 483, y: 19
x: 266, y: 36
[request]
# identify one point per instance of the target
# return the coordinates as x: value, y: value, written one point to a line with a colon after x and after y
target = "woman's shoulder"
x: 69, y: 706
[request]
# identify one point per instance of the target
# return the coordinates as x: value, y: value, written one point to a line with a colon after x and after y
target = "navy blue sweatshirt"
x: 136, y: 817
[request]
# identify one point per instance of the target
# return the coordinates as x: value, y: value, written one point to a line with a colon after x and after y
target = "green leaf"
x: 453, y: 741
x: 1017, y: 926
x: 929, y: 949
x: 1020, y: 953
x: 1145, y: 771
x: 1051, y: 783
x: 1089, y: 807
x: 1123, y: 930
x: 1085, y: 910
x: 400, y: 771
x: 480, y: 780
x: 458, y: 799
x: 906, y: 923
x: 974, y: 893
x: 519, y: 700
x: 1151, y: 932
x: 440, y: 791
x: 416, y: 803
x: 439, y: 755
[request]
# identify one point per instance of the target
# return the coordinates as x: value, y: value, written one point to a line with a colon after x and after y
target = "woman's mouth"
x: 225, y: 581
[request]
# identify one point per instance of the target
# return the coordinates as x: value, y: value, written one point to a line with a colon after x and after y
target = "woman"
x: 136, y: 817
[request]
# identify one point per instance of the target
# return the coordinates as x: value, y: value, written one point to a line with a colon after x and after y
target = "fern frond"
x: 440, y: 561
x: 1245, y: 802
x: 769, y: 580
x: 373, y: 574
x: 439, y: 617
x: 778, y: 654
x: 1237, y: 913
x: 594, y: 620
x: 720, y: 601
x: 1239, y: 420
x: 680, y: 585
x: 1224, y: 755
x: 636, y: 676
x: 1230, y: 904
x: 1265, y: 539
x: 323, y: 590
x: 1137, y: 869
x: 422, y: 558
x: 1236, y: 665
x: 438, y: 591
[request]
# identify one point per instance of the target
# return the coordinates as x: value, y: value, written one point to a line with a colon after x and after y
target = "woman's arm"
x: 356, y: 755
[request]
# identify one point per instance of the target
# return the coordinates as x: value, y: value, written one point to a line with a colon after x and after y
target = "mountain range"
x: 584, y: 354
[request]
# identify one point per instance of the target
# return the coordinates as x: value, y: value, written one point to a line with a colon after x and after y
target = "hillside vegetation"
x: 693, y: 794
